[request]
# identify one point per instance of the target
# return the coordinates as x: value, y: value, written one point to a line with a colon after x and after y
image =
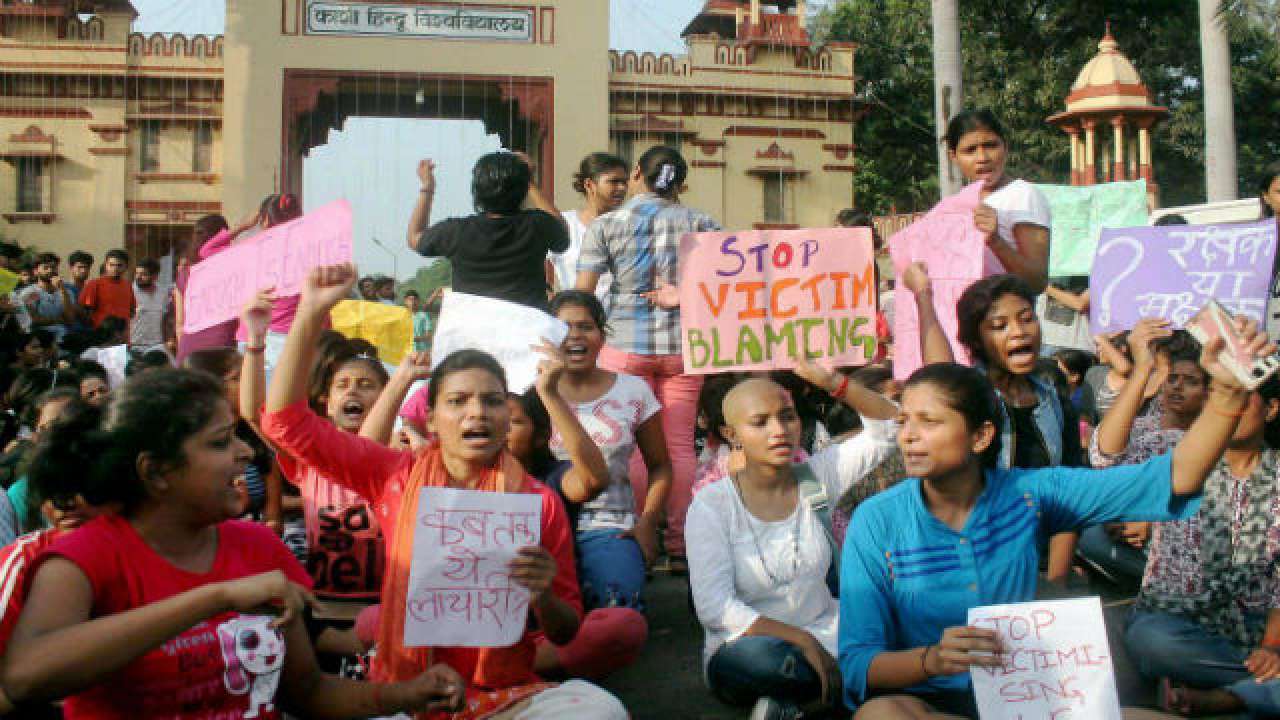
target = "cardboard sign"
x: 1171, y: 272
x: 762, y: 300
x: 388, y: 327
x: 277, y: 258
x: 1079, y: 215
x: 507, y: 331
x: 1058, y: 662
x: 460, y: 588
x: 954, y: 250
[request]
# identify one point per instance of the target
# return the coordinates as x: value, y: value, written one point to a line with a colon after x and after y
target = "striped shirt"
x: 905, y: 576
x: 639, y: 243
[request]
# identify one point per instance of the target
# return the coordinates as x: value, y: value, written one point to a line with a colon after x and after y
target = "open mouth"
x: 353, y: 410
x: 1021, y: 353
x: 575, y: 351
x: 781, y: 447
x: 477, y: 437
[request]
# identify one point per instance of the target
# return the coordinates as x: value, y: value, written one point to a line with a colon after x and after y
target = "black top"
x: 1029, y: 450
x: 498, y: 257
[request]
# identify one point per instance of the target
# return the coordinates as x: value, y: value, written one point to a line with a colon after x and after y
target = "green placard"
x: 1079, y: 215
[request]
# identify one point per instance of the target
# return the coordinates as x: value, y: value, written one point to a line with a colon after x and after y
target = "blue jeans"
x: 749, y: 668
x: 1119, y: 562
x: 610, y: 570
x: 1167, y: 645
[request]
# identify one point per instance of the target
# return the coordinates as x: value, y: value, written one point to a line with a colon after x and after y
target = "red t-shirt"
x: 15, y: 560
x: 345, y: 550
x: 380, y: 474
x: 225, y: 667
x: 108, y: 298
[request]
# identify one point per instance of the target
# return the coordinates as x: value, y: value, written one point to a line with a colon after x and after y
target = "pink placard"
x: 954, y: 250
x: 279, y: 257
x: 761, y: 300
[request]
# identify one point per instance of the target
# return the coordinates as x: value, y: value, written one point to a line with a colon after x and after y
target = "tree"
x: 1020, y: 61
x: 428, y: 279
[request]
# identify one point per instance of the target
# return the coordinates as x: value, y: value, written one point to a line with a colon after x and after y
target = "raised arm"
x: 536, y: 198
x: 590, y: 474
x: 1114, y: 430
x: 256, y: 320
x: 1079, y: 303
x: 380, y: 423
x: 934, y: 345
x: 422, y: 209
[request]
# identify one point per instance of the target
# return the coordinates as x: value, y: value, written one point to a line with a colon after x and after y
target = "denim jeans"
x: 1119, y: 562
x: 610, y: 570
x: 749, y: 668
x: 1167, y: 645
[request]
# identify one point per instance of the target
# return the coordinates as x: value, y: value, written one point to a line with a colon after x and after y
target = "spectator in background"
x: 26, y: 272
x: 147, y: 330
x: 95, y: 384
x: 1063, y: 310
x: 367, y: 292
x: 602, y: 181
x: 384, y: 290
x: 421, y: 321
x: 109, y: 294
x: 46, y: 299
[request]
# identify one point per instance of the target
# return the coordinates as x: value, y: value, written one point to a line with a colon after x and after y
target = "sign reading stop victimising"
x: 762, y: 300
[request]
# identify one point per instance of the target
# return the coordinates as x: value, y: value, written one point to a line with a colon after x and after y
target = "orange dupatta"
x: 495, y: 667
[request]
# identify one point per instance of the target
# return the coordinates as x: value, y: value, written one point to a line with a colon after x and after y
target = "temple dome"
x: 1108, y: 81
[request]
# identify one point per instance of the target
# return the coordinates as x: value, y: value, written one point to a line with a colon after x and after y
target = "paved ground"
x: 666, y: 684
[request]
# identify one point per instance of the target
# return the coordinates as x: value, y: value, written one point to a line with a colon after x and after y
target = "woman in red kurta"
x: 469, y: 415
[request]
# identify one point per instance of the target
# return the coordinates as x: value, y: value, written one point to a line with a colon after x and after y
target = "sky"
x: 368, y: 163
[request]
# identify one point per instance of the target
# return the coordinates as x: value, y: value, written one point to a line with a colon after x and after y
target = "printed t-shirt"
x: 108, y: 297
x: 346, y: 554
x: 611, y: 421
x: 498, y: 257
x: 224, y: 667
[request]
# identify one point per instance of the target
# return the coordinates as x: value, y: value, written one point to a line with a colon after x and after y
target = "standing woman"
x: 157, y: 610
x: 962, y: 533
x: 1014, y: 214
x: 602, y: 181
x: 640, y: 243
x: 470, y: 418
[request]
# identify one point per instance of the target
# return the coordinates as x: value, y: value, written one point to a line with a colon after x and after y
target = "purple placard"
x: 1171, y: 271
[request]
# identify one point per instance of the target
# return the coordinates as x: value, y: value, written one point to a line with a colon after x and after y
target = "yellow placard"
x: 8, y: 281
x: 388, y: 327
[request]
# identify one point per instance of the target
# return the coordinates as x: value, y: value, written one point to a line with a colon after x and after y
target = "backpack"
x: 814, y: 494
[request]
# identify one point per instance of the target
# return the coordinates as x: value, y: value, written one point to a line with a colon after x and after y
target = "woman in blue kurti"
x: 961, y: 533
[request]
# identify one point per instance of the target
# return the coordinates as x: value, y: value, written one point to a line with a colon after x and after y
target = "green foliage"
x: 428, y: 278
x: 1020, y: 60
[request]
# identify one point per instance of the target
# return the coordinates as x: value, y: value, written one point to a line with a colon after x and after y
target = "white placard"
x: 452, y: 22
x: 507, y: 331
x: 460, y: 589
x: 1058, y: 662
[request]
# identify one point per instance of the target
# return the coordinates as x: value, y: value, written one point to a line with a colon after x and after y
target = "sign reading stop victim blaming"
x: 1057, y: 663
x: 762, y: 300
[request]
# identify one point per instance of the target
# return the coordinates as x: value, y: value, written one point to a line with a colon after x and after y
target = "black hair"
x: 47, y: 258
x: 96, y: 457
x: 42, y: 335
x: 1269, y: 175
x: 967, y: 391
x: 117, y: 254
x: 1268, y: 391
x: 976, y: 302
x: 210, y: 225
x: 149, y: 360
x: 29, y: 385
x: 1171, y: 219
x: 664, y: 170
x: 1077, y: 362
x: 10, y: 250
x: 333, y: 357
x: 80, y: 257
x: 711, y: 403
x: 151, y: 265
x: 852, y: 217
x: 383, y: 280
x: 1181, y: 346
x: 582, y: 299
x: 412, y: 293
x: 541, y: 458
x: 500, y: 183
x: 280, y: 209
x: 595, y: 165
x: 968, y: 121
x: 218, y: 361
x: 85, y: 369
x: 459, y: 361
x: 110, y: 327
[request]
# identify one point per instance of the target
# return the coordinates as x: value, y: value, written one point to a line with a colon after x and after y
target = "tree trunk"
x: 948, y: 87
x: 1220, y: 180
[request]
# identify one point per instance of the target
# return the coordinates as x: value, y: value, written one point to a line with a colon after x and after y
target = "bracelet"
x: 842, y: 388
x: 924, y: 659
x: 255, y: 348
x: 427, y: 191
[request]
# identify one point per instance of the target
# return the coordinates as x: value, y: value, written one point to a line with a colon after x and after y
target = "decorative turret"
x: 780, y: 23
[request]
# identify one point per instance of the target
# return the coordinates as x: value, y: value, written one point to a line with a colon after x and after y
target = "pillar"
x: 1144, y: 152
x: 1117, y: 158
x: 948, y: 85
x: 802, y: 12
x: 755, y: 13
x: 1090, y: 158
x: 1219, y: 111
x: 1077, y: 174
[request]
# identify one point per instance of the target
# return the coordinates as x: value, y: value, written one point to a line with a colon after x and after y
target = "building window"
x: 202, y: 148
x: 149, y: 146
x: 30, y: 185
x: 623, y: 144
x: 777, y: 199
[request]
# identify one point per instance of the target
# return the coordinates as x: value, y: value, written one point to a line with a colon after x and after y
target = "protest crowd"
x: 224, y: 521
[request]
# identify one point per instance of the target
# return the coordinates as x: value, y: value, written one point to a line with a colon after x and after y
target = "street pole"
x: 948, y: 86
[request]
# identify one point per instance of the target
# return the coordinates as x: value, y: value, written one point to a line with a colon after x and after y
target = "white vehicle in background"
x: 1217, y: 213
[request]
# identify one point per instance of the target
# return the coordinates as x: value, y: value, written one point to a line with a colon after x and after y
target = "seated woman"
x: 1206, y: 622
x: 470, y: 417
x: 157, y: 610
x: 501, y: 251
x: 761, y: 550
x: 962, y: 533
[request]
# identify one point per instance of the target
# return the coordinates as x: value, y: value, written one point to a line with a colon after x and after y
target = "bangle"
x: 427, y: 191
x: 842, y: 388
x: 255, y: 348
x: 924, y: 659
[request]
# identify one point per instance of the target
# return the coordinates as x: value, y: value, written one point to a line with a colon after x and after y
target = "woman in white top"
x: 602, y: 181
x: 1014, y: 214
x: 760, y: 550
